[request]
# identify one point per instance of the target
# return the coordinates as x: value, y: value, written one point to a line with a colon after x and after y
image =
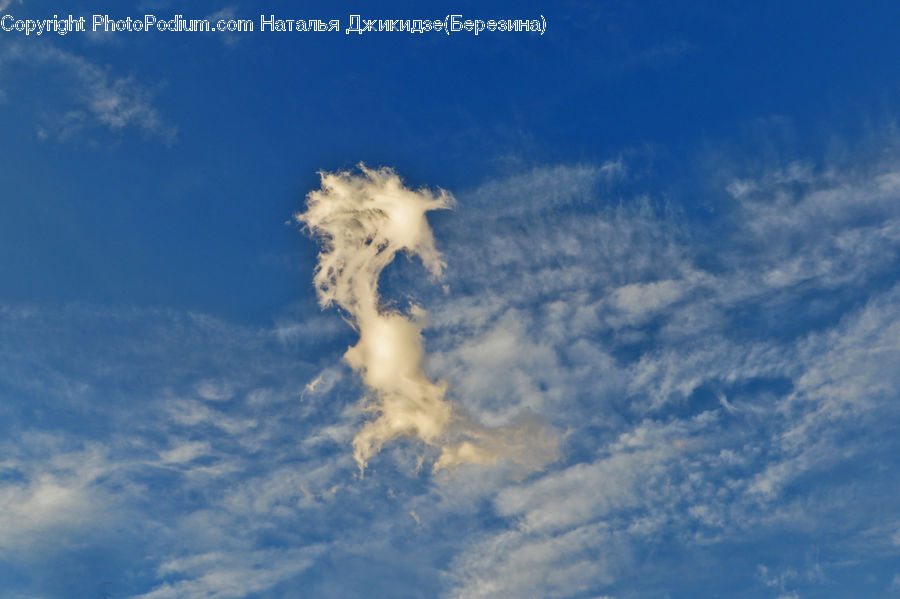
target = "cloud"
x: 513, y: 564
x: 95, y: 97
x: 226, y: 13
x: 711, y: 410
x: 225, y: 575
x: 788, y: 313
x: 503, y: 347
x: 199, y: 496
x: 4, y: 4
x: 185, y: 452
x: 46, y: 502
x: 588, y: 492
x: 214, y: 390
x: 362, y: 221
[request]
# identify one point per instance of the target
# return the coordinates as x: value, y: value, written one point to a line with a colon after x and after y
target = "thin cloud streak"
x: 94, y: 97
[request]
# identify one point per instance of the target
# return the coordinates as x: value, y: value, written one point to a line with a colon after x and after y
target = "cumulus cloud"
x: 363, y: 220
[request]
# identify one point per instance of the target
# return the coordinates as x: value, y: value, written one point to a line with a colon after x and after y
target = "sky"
x: 600, y: 310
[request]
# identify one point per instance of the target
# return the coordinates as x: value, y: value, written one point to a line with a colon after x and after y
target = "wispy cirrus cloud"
x: 704, y: 406
x: 228, y: 575
x: 4, y: 4
x: 701, y: 427
x: 123, y: 468
x: 52, y: 497
x: 87, y: 95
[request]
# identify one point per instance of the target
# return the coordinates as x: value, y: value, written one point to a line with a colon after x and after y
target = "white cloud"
x: 50, y: 499
x: 185, y: 452
x: 4, y: 4
x: 96, y: 96
x: 227, y: 575
x: 178, y: 476
x: 581, y: 493
x: 474, y: 364
x: 215, y: 390
x: 838, y: 232
x: 513, y: 564
x: 193, y: 413
x: 226, y: 13
x: 362, y: 221
x: 636, y: 300
x: 604, y: 323
x: 292, y: 331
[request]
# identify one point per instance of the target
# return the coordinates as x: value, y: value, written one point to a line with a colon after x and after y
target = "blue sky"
x: 672, y: 257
